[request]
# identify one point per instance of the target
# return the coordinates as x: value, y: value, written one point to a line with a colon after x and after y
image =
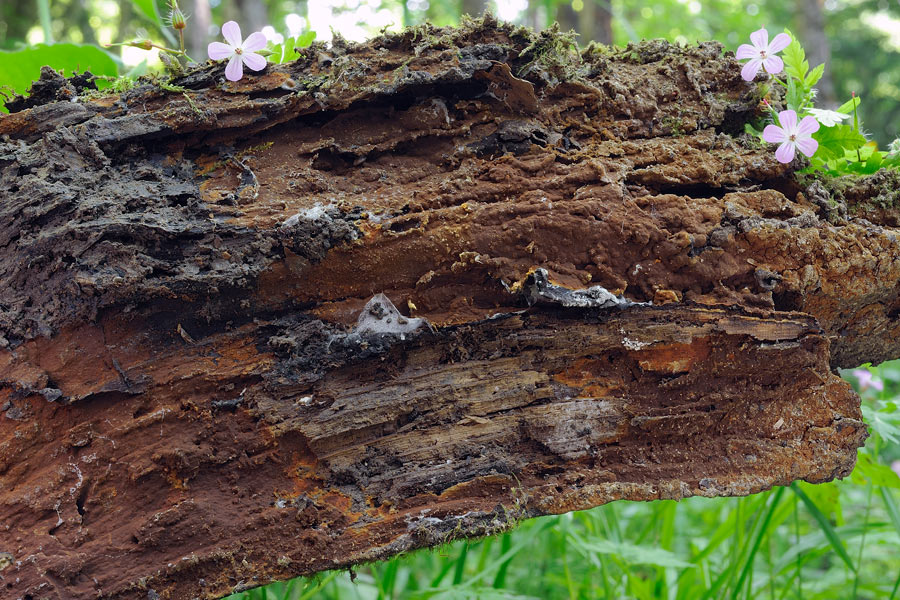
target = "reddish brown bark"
x: 606, y: 292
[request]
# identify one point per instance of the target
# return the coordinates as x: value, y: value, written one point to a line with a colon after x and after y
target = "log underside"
x: 606, y: 293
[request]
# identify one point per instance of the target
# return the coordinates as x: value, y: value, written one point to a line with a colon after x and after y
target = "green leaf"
x: 749, y: 128
x: 19, y: 69
x: 315, y: 586
x: 868, y: 470
x: 891, y: 161
x: 833, y: 141
x: 825, y: 526
x: 632, y: 554
x: 814, y: 76
x: 149, y: 10
x: 287, y: 51
x: 762, y: 531
x: 305, y: 40
x: 891, y: 505
x: 815, y: 544
x: 885, y: 424
x: 868, y: 150
x: 847, y: 107
x: 794, y: 96
x: 826, y: 496
x: 795, y: 64
x: 874, y: 162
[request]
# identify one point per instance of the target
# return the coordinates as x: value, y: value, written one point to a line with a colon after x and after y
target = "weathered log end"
x: 402, y: 292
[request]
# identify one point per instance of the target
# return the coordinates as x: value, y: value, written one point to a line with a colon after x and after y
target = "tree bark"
x: 399, y: 293
x: 197, y: 35
x: 566, y: 16
x: 473, y: 8
x: 595, y: 22
x: 252, y: 14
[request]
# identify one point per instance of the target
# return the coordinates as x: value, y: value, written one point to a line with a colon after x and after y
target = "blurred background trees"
x: 858, y: 39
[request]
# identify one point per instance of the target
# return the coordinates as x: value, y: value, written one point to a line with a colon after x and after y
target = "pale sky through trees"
x: 357, y: 20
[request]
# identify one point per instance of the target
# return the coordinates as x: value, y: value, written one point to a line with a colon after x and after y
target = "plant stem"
x: 862, y: 542
x: 797, y: 541
x: 855, y: 122
x: 896, y: 585
x: 783, y: 83
x: 43, y: 7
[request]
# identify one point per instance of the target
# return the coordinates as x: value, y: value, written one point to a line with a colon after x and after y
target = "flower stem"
x: 783, y: 83
x: 855, y: 123
x: 43, y: 7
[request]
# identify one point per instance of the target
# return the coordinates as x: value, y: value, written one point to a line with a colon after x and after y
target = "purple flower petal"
x: 785, y: 152
x: 807, y: 145
x: 864, y: 376
x: 867, y: 380
x: 774, y: 134
x: 254, y: 61
x: 808, y: 126
x: 746, y: 51
x: 788, y: 121
x: 256, y: 41
x: 218, y: 50
x: 781, y: 41
x: 760, y: 38
x: 751, y: 69
x: 232, y: 33
x: 773, y: 65
x: 235, y: 69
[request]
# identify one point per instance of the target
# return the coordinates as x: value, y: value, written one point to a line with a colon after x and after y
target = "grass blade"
x: 460, y: 564
x: 505, y: 545
x: 896, y: 585
x: 826, y: 527
x: 891, y: 505
x: 754, y: 547
x: 387, y: 579
x: 319, y: 585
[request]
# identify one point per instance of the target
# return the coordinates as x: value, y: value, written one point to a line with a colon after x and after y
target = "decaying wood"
x: 398, y: 293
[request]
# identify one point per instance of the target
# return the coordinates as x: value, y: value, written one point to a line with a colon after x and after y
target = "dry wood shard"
x: 407, y: 291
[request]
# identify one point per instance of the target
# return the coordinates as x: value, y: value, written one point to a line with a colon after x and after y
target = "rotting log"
x: 402, y: 292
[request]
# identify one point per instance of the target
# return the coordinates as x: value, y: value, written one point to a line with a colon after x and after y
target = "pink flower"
x: 761, y: 53
x: 867, y: 380
x: 792, y: 136
x: 238, y: 52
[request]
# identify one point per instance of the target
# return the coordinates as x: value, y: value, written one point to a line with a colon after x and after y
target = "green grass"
x: 809, y: 542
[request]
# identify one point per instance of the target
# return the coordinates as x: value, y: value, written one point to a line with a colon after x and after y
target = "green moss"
x: 117, y: 85
x: 254, y: 149
x: 166, y: 86
x: 674, y: 125
x: 554, y: 52
x: 861, y: 193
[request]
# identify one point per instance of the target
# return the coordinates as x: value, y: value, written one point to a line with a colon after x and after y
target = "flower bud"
x: 894, y: 147
x: 176, y: 17
x: 143, y: 44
